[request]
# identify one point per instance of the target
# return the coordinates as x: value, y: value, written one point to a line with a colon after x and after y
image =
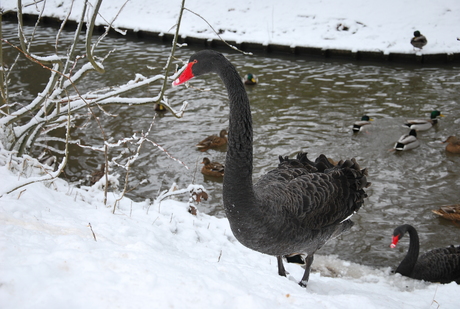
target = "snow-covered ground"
x: 158, y: 255
x: 61, y: 247
x: 357, y: 25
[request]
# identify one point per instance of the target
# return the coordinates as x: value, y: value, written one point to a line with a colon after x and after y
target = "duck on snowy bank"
x: 419, y: 40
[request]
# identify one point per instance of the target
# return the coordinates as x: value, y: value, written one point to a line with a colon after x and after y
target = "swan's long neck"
x: 238, y: 193
x: 408, y: 263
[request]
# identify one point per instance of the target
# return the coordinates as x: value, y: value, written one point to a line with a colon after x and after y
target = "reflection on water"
x: 298, y: 105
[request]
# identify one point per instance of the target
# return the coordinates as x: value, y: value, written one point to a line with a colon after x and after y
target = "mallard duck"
x: 213, y: 141
x: 250, y: 79
x: 359, y: 125
x: 407, y: 141
x: 423, y: 124
x: 453, y: 145
x: 418, y: 40
x: 159, y: 107
x: 451, y: 212
x: 214, y: 169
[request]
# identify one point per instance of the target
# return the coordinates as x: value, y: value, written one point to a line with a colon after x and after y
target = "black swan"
x: 292, y: 210
x: 438, y: 265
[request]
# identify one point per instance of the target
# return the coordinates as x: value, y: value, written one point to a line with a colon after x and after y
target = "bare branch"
x: 89, y: 33
x: 229, y: 45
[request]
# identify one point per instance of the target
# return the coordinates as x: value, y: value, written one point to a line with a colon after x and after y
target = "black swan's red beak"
x: 186, y: 75
x: 395, y: 241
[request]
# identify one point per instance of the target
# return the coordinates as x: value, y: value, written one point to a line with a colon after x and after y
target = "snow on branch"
x: 39, y: 122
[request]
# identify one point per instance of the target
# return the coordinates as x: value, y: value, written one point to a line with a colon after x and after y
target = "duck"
x: 250, y: 79
x: 450, y: 212
x: 419, y: 40
x: 159, y: 107
x: 407, y: 141
x: 438, y: 265
x: 97, y: 174
x: 424, y: 124
x: 360, y: 124
x: 213, y: 141
x: 214, y: 169
x: 47, y: 158
x: 295, y: 208
x: 453, y: 144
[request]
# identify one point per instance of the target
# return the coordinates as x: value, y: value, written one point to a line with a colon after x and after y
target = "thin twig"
x: 91, y: 228
x: 171, y: 55
x: 229, y: 45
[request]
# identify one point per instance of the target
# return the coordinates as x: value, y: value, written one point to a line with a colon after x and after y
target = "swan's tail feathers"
x: 356, y: 176
x: 302, y: 157
x: 356, y: 179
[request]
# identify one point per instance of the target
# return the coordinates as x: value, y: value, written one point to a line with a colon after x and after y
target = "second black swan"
x: 294, y: 209
x: 438, y: 265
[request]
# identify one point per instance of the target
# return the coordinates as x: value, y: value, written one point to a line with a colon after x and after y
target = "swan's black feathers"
x: 439, y: 263
x: 317, y: 193
x: 293, y: 209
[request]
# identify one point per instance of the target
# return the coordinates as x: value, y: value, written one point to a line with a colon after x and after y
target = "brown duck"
x: 453, y: 144
x: 213, y: 141
x: 450, y: 212
x: 214, y: 169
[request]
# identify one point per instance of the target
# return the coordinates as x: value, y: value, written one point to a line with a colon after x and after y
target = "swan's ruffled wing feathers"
x: 317, y: 194
x: 439, y: 263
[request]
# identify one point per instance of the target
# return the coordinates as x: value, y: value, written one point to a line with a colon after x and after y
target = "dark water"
x: 299, y: 104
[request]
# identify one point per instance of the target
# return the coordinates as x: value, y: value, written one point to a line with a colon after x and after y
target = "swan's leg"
x: 281, y: 270
x: 306, y: 274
